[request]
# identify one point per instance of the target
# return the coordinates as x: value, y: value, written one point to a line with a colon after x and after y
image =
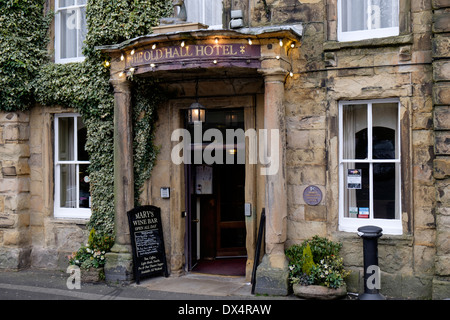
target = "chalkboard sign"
x: 149, y: 255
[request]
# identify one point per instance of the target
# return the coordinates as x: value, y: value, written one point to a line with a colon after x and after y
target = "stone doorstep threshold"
x: 201, y: 284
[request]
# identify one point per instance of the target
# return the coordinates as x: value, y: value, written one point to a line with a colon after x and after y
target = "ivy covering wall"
x: 28, y: 77
x: 23, y: 41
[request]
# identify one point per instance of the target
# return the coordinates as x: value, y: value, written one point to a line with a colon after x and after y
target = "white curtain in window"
x: 369, y: 14
x: 68, y: 186
x: 82, y: 30
x: 208, y: 12
x: 353, y: 17
x: 66, y: 152
x: 349, y: 153
x: 72, y: 28
x: 68, y: 34
x: 355, y: 120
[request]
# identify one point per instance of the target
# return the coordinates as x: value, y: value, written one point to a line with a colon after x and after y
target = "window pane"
x: 84, y: 193
x: 82, y: 30
x: 72, y: 29
x: 68, y: 34
x: 356, y: 197
x: 385, y: 13
x: 363, y: 194
x: 354, y: 13
x: 66, y: 3
x: 355, y: 122
x: 383, y: 146
x: 68, y: 186
x: 359, y: 15
x: 213, y: 12
x: 81, y: 138
x: 65, y: 139
x: 194, y: 10
x: 230, y: 238
x: 384, y: 132
x: 208, y: 12
x: 384, y: 191
x: 232, y: 194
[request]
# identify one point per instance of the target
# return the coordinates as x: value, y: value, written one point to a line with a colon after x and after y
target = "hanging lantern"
x: 196, y: 113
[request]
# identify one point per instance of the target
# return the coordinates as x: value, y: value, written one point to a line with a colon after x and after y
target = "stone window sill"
x: 386, y: 239
x: 70, y: 221
x: 378, y: 42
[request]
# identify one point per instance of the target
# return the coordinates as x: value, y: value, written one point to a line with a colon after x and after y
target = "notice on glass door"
x: 204, y: 180
x: 354, y: 179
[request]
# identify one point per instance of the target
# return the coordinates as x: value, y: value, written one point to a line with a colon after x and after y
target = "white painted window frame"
x: 58, y: 58
x: 362, y: 34
x: 348, y: 224
x: 59, y: 212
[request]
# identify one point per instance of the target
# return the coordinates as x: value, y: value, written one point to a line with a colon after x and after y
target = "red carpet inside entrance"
x: 224, y: 266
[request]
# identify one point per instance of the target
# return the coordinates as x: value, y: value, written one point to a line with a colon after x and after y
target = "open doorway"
x: 216, y: 231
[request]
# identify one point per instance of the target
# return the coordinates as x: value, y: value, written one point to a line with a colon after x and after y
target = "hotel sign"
x: 194, y: 54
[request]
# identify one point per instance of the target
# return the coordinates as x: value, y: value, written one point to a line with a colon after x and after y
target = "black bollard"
x: 370, y: 235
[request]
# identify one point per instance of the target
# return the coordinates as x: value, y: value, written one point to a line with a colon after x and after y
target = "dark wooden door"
x: 216, y: 219
x: 230, y: 223
x: 222, y: 222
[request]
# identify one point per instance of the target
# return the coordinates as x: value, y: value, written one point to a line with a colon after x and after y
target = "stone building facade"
x: 308, y: 92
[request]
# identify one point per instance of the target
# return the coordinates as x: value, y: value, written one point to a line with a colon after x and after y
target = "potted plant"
x: 91, y: 257
x: 315, y: 269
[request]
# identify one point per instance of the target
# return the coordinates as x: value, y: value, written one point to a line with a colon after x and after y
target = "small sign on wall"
x: 165, y: 192
x: 312, y: 195
x: 248, y: 209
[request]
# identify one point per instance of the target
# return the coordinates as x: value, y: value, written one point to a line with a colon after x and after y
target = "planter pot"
x: 319, y: 292
x: 92, y: 275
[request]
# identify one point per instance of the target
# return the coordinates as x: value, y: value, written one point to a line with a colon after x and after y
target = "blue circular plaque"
x: 312, y: 195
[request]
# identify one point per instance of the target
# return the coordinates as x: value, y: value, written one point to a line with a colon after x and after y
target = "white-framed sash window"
x: 72, y: 195
x: 70, y: 30
x: 208, y: 12
x: 369, y: 165
x: 367, y: 19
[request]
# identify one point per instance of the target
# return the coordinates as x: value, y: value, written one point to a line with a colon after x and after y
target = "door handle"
x: 195, y: 220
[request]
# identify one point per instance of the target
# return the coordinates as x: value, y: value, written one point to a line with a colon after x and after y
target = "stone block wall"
x: 29, y: 234
x: 441, y: 125
x: 15, y: 240
x: 52, y: 239
x: 278, y: 12
x: 404, y: 67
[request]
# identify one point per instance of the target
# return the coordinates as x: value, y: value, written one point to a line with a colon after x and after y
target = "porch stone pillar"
x: 272, y: 273
x: 119, y: 262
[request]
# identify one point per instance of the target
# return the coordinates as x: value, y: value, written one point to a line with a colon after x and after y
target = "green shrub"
x: 93, y: 253
x: 326, y: 267
x: 329, y: 272
x: 308, y: 261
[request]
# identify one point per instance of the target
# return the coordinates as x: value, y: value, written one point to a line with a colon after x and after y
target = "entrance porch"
x: 222, y: 70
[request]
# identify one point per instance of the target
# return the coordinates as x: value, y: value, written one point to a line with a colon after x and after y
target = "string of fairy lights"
x: 182, y: 44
